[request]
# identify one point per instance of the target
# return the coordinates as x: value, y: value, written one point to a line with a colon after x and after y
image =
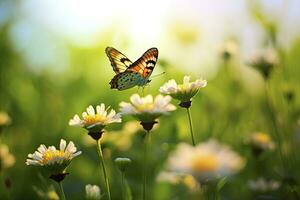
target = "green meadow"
x: 245, y: 120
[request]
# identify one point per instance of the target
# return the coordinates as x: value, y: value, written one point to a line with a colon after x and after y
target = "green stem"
x: 191, y: 126
x: 62, y: 193
x: 296, y: 194
x: 146, y: 141
x: 274, y: 122
x: 2, y: 186
x: 206, y: 192
x: 210, y: 191
x: 123, y: 189
x: 103, y: 167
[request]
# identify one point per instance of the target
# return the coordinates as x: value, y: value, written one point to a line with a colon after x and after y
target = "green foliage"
x: 230, y: 108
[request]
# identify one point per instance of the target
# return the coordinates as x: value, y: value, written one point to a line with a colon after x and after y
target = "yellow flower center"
x: 189, y: 181
x: 94, y: 119
x: 262, y: 138
x: 51, y: 155
x: 145, y: 107
x: 205, y: 163
x: 183, y: 87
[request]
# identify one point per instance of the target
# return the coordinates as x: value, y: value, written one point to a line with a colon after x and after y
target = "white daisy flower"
x: 264, y: 61
x: 6, y: 158
x: 205, y: 161
x: 56, y: 160
x: 261, y: 142
x: 169, y: 177
x: 177, y: 178
x: 185, y: 91
x: 228, y: 49
x: 95, y: 121
x: 92, y: 192
x: 46, y: 192
x: 4, y: 119
x: 263, y: 185
x: 146, y: 109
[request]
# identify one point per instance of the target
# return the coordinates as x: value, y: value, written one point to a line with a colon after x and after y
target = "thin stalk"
x: 296, y: 194
x: 206, y: 192
x: 274, y: 122
x: 5, y: 190
x: 210, y: 191
x: 191, y: 125
x: 62, y: 193
x: 146, y: 141
x: 284, y: 161
x: 103, y: 168
x: 123, y: 189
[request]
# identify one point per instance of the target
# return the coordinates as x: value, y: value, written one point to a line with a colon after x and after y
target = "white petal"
x: 62, y: 145
x: 136, y: 99
x: 117, y: 118
x: 163, y: 89
x: 172, y: 83
x: 167, y: 99
x: 32, y: 162
x: 42, y: 148
x: 186, y: 79
x: 148, y: 99
x: 104, y: 113
x: 76, y: 154
x: 37, y: 156
x: 71, y: 148
x: 30, y: 155
x: 75, y: 121
x: 201, y: 83
x: 127, y: 108
x: 100, y: 109
x: 170, y: 107
x: 90, y: 110
x: 84, y: 115
x: 111, y: 114
x: 169, y: 87
x: 52, y: 148
x: 161, y: 101
x: 172, y: 90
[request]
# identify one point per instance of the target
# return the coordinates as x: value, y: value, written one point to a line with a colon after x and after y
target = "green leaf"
x: 221, y: 183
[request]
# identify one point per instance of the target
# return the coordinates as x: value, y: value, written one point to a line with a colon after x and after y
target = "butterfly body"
x: 130, y: 74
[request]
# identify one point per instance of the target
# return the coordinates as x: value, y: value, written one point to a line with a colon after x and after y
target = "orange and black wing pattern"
x: 119, y: 61
x: 145, y: 64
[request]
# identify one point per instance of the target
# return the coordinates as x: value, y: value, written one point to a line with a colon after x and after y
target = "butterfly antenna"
x: 157, y: 75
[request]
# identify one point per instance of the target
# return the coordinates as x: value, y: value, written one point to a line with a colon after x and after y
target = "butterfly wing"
x: 131, y: 74
x: 145, y: 64
x: 125, y: 80
x: 119, y: 61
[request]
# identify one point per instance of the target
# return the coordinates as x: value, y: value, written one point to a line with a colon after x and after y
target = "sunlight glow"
x: 186, y: 32
x: 83, y: 21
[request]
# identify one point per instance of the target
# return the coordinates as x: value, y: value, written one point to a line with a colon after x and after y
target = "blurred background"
x: 53, y: 65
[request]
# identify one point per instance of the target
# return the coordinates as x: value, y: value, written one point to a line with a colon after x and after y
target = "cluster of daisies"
x: 204, y: 161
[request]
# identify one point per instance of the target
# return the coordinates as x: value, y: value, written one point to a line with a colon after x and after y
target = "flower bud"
x: 122, y: 163
x: 92, y: 192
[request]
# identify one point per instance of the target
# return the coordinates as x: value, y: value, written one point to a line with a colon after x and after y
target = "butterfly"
x: 130, y: 74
